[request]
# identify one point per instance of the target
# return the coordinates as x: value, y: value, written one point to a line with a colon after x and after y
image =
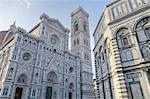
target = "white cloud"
x: 26, y: 2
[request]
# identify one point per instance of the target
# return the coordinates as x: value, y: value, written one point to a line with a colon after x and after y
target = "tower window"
x: 85, y: 56
x: 85, y: 27
x: 84, y: 41
x: 76, y: 27
x: 74, y: 42
x: 77, y: 41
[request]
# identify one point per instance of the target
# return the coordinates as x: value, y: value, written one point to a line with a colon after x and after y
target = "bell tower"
x: 80, y: 44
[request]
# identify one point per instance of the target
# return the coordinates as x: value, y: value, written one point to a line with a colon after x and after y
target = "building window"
x: 18, y: 38
x: 77, y: 41
x: 87, y: 56
x: 147, y: 30
x: 25, y: 40
x: 33, y: 92
x: 16, y: 49
x: 87, y: 43
x: 52, y: 77
x: 70, y: 69
x: 10, y: 72
x: 84, y: 42
x: 71, y: 86
x: 124, y: 6
x: 148, y: 75
x: 43, y: 30
x: 22, y: 79
x: 74, y: 42
x: 103, y: 59
x: 120, y: 10
x: 76, y: 27
x: 84, y: 55
x: 133, y: 3
x: 5, y: 91
x: 125, y: 41
x: 136, y: 90
x: 14, y: 57
x: 146, y: 52
x: 123, y: 38
x: 85, y: 27
x: 115, y: 12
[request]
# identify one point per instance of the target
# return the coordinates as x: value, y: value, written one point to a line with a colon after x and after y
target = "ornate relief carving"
x: 133, y: 75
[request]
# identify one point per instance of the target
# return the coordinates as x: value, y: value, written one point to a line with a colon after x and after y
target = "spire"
x: 13, y: 26
x: 78, y: 10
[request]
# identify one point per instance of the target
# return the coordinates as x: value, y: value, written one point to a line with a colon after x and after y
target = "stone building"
x: 122, y: 50
x: 38, y: 64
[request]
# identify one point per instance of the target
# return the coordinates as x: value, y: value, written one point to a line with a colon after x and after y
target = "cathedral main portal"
x: 49, y: 93
x: 18, y: 93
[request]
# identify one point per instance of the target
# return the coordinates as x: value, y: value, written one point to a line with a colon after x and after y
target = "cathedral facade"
x: 39, y: 65
x: 122, y: 50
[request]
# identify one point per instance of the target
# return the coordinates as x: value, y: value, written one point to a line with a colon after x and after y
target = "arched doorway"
x: 18, y: 93
x: 21, y: 80
x: 70, y: 95
x: 51, y: 78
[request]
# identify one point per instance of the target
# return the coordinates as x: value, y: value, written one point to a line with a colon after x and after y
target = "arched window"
x: 107, y: 47
x: 43, y: 30
x: 70, y: 69
x: 74, y: 42
x: 146, y: 52
x: 71, y: 86
x: 77, y: 41
x: 52, y: 77
x: 123, y: 38
x: 147, y: 29
x: 143, y: 29
x: 85, y: 26
x: 76, y: 26
x: 22, y: 79
x: 10, y: 72
x: 100, y: 56
x: 36, y: 76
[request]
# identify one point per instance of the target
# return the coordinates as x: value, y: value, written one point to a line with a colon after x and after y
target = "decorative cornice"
x: 129, y: 15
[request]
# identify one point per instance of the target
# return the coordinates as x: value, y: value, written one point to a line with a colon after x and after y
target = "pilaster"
x: 117, y: 74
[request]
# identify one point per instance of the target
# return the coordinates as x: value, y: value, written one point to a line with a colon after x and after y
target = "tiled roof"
x: 2, y: 35
x: 9, y: 36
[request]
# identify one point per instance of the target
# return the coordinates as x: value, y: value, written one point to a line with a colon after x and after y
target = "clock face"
x: 53, y: 40
x: 26, y: 56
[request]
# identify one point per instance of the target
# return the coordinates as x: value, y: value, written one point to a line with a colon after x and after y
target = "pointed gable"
x: 54, y: 22
x: 80, y: 9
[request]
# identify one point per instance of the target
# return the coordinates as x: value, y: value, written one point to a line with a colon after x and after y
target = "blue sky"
x: 26, y: 13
